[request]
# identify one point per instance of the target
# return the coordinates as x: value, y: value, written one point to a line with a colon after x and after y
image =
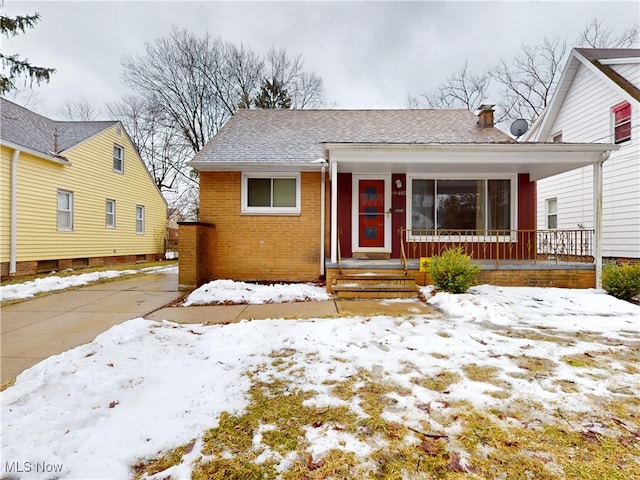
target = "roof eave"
x: 49, y: 157
x: 212, y: 166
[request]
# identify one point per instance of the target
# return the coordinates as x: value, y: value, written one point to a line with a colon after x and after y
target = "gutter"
x: 12, y: 208
x: 322, y: 216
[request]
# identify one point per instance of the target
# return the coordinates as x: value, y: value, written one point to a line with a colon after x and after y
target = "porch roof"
x: 539, y: 160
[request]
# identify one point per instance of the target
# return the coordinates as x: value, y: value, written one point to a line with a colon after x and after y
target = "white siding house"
x: 597, y: 101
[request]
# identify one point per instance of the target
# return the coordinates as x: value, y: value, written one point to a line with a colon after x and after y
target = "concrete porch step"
x: 374, y: 286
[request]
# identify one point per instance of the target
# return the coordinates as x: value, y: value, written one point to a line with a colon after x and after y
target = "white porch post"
x: 333, y: 170
x: 322, y: 217
x: 597, y: 216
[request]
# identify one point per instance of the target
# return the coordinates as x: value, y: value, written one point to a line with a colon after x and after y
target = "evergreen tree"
x: 272, y: 95
x: 10, y: 27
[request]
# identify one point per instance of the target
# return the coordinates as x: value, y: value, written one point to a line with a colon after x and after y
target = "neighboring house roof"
x: 23, y: 128
x: 299, y: 136
x: 598, y: 60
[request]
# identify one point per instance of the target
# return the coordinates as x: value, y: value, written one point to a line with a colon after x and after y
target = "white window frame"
x: 64, y: 228
x: 110, y: 215
x: 483, y: 238
x: 118, y: 159
x: 247, y: 210
x: 548, y: 213
x: 140, y: 219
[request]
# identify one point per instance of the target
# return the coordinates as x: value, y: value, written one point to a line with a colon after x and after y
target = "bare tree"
x: 305, y: 89
x: 79, y: 109
x: 163, y: 150
x: 527, y: 81
x: 596, y: 35
x: 463, y: 89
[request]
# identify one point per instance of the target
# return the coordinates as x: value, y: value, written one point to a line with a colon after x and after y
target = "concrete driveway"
x: 35, y: 329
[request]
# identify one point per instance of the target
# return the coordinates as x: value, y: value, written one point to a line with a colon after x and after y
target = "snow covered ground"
x: 55, y: 282
x: 143, y: 386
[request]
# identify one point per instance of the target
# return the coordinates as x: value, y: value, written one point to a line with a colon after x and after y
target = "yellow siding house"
x: 73, y: 194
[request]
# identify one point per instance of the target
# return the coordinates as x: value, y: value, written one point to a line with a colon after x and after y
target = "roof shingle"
x: 20, y: 126
x: 298, y: 136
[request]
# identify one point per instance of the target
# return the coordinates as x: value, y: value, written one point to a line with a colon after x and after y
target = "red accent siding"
x: 344, y: 213
x: 399, y: 211
x: 526, y: 203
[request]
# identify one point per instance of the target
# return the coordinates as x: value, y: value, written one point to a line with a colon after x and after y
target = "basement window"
x: 271, y: 194
x: 622, y: 123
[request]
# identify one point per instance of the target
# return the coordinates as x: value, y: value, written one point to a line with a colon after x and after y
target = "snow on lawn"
x: 143, y: 386
x: 51, y: 283
x: 231, y: 292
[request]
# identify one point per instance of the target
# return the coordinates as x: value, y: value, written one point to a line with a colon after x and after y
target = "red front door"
x: 371, y: 214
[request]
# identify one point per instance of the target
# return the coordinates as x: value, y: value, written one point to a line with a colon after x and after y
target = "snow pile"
x: 52, y: 283
x: 144, y: 386
x: 230, y: 292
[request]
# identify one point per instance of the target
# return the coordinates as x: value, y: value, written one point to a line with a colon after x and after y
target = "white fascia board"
x: 613, y: 86
x: 619, y: 61
x: 208, y: 166
x: 43, y: 156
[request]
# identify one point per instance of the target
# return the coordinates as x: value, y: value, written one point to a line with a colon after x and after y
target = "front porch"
x: 535, y: 258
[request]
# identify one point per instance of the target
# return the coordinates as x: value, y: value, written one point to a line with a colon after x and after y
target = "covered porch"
x: 393, y: 205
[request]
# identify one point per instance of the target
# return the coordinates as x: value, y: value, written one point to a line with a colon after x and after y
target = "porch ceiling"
x: 538, y: 160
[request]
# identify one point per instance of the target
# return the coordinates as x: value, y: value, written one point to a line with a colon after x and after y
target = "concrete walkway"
x: 35, y: 329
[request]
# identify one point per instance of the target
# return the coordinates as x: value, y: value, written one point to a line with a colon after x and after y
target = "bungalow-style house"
x: 302, y: 195
x: 73, y: 194
x: 597, y: 100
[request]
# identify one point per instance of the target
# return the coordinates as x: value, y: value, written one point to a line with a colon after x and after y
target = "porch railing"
x: 500, y: 246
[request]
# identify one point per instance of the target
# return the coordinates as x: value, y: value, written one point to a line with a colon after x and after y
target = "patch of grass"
x: 580, y: 360
x: 236, y: 468
x: 7, y: 384
x: 480, y: 373
x: 335, y: 464
x: 535, y: 366
x: 160, y: 463
x: 438, y: 383
x: 567, y: 386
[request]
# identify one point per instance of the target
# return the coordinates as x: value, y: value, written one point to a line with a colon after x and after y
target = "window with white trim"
x: 139, y: 219
x: 118, y: 158
x: 622, y: 123
x: 551, y: 212
x: 271, y: 194
x: 110, y: 213
x: 461, y: 204
x: 65, y: 210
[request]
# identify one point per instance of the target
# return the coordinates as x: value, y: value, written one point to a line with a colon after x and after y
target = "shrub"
x: 453, y: 271
x: 621, y: 281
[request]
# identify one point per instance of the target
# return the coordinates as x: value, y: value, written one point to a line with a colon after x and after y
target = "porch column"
x: 333, y: 170
x: 597, y: 216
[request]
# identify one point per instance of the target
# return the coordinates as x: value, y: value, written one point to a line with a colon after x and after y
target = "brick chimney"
x: 485, y: 115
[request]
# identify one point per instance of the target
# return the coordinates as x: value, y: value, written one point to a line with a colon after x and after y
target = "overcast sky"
x: 369, y: 54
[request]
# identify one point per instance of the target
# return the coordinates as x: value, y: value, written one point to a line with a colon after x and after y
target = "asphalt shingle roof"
x: 25, y: 128
x: 298, y: 136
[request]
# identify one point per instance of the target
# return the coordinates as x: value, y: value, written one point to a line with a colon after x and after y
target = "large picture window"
x: 461, y: 204
x: 271, y: 194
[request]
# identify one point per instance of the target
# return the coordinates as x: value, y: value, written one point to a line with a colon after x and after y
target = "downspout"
x: 333, y: 171
x: 322, y: 217
x: 597, y: 215
x: 12, y: 208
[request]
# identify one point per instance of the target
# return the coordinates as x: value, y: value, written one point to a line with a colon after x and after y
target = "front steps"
x: 374, y: 286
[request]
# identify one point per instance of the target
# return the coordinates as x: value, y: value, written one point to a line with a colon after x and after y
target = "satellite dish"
x: 519, y: 127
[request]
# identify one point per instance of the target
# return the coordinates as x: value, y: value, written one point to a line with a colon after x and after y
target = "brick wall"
x: 195, y: 254
x: 261, y: 247
x: 526, y: 277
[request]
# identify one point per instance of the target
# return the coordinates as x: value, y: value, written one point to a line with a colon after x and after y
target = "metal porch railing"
x: 500, y: 246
